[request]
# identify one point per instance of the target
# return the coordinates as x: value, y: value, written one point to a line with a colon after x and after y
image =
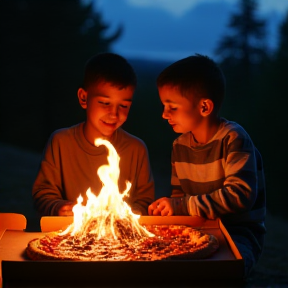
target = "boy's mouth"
x: 109, y: 124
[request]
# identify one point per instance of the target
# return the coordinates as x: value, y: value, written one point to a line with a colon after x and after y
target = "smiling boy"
x: 217, y: 172
x: 71, y: 160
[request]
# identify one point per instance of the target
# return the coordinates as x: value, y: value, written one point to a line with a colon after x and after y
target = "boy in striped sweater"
x: 217, y: 172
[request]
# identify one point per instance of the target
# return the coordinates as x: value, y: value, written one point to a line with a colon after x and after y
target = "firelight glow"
x: 106, y: 215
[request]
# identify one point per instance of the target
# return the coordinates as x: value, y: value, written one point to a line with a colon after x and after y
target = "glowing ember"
x: 106, y: 215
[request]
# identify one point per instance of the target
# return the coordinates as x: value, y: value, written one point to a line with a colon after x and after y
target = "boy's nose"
x: 165, y: 114
x: 114, y: 112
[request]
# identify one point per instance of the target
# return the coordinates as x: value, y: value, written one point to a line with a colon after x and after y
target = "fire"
x: 106, y: 215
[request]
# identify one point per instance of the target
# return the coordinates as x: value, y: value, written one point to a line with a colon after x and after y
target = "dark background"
x: 45, y: 45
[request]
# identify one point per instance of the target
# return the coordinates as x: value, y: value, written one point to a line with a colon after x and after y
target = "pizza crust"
x: 201, y: 252
x: 171, y: 242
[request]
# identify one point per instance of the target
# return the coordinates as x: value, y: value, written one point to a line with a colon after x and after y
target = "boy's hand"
x: 66, y: 210
x: 161, y: 207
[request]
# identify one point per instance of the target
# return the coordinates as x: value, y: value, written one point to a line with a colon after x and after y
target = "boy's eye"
x: 104, y: 103
x: 169, y: 108
x: 124, y: 106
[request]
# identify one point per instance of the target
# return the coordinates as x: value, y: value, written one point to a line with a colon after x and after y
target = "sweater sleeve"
x: 47, y: 190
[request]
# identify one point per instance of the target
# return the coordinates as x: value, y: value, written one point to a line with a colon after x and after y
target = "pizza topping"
x: 169, y: 242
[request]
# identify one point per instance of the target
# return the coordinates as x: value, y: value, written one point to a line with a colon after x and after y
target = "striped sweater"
x: 223, y: 178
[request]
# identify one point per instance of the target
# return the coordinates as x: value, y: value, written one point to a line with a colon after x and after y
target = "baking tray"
x: 225, y: 264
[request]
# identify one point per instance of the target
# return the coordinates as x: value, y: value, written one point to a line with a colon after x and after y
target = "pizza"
x: 168, y: 243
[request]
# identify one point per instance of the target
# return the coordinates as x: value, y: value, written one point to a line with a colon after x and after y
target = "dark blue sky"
x: 152, y: 31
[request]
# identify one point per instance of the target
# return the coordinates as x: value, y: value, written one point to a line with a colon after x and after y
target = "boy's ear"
x: 82, y: 97
x: 206, y: 107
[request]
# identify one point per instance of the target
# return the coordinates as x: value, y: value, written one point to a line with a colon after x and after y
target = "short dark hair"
x: 195, y: 75
x: 111, y: 68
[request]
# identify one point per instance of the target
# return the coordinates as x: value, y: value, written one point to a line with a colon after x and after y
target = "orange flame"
x: 106, y: 215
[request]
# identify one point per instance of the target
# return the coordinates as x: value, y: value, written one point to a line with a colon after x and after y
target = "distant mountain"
x: 154, y: 33
x: 150, y: 67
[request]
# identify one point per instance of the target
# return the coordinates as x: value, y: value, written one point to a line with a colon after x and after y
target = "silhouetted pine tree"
x: 282, y: 51
x: 44, y: 46
x: 241, y: 53
x: 271, y: 122
x: 244, y: 43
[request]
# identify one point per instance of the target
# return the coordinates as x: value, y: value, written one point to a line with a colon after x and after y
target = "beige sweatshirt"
x: 70, y: 163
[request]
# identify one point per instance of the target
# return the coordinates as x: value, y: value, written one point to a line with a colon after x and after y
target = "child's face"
x: 107, y: 108
x: 182, y: 114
